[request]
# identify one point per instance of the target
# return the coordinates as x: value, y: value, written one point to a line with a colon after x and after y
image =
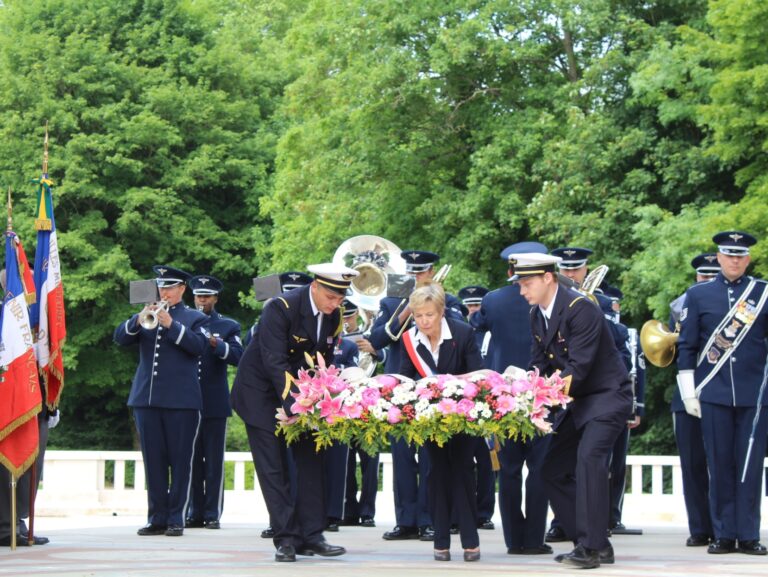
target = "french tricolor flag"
x: 18, y: 381
x: 47, y: 315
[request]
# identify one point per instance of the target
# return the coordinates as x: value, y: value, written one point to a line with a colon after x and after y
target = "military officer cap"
x: 334, y: 277
x: 350, y: 308
x: 610, y: 291
x: 168, y: 276
x: 417, y: 261
x: 706, y: 264
x: 472, y: 295
x: 291, y: 280
x: 531, y: 264
x: 573, y: 257
x: 734, y: 242
x: 204, y: 284
x: 523, y: 247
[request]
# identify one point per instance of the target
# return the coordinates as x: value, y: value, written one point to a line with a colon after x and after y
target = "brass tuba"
x: 373, y: 257
x: 593, y: 281
x: 658, y: 343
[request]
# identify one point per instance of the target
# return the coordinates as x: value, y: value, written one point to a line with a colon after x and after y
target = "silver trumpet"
x: 148, y: 318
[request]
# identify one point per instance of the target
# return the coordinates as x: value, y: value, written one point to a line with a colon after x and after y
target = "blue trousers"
x: 167, y: 439
x: 208, y: 471
x: 335, y: 479
x: 734, y: 506
x: 411, y: 503
x: 693, y: 465
x: 354, y: 509
x: 523, y: 529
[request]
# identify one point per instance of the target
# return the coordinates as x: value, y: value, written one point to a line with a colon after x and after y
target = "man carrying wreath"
x: 571, y: 337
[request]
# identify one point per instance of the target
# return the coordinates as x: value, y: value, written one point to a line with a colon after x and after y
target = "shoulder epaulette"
x: 574, y: 301
x: 285, y: 302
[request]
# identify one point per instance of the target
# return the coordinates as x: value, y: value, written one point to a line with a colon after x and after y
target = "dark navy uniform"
x: 577, y: 341
x: 166, y: 401
x: 506, y: 314
x: 730, y: 400
x: 451, y: 479
x: 411, y: 502
x: 345, y: 355
x: 287, y: 332
x: 208, y: 466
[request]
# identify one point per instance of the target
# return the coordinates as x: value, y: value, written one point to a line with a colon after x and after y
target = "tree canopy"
x: 244, y: 137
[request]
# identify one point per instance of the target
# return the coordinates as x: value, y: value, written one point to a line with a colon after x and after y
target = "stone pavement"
x: 102, y: 546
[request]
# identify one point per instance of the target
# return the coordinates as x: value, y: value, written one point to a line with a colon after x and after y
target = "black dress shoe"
x: 426, y: 533
x: 722, y: 546
x: 542, y: 549
x: 606, y: 556
x: 442, y: 555
x: 367, y: 522
x: 323, y: 548
x: 268, y: 533
x: 152, y: 529
x: 194, y: 523
x: 23, y: 540
x: 285, y: 554
x: 212, y: 525
x: 555, y: 535
x: 471, y: 555
x: 174, y: 531
x: 697, y: 541
x: 399, y: 533
x: 486, y: 524
x: 582, y: 558
x: 752, y: 547
x: 332, y: 526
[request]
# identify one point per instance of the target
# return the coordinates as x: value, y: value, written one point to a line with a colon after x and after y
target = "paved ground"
x: 108, y: 546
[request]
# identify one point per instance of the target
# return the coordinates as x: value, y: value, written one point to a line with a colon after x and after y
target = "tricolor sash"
x: 410, y: 347
x: 731, y: 332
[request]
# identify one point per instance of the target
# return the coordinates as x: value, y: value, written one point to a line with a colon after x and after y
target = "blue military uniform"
x: 486, y: 478
x: 411, y: 502
x: 722, y: 352
x: 166, y: 401
x: 345, y: 354
x: 208, y: 466
x: 505, y: 314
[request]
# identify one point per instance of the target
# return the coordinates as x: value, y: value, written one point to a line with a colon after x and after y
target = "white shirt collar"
x: 445, y: 334
x: 315, y: 310
x: 547, y: 312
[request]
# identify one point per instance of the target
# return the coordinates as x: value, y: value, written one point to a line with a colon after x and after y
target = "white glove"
x: 687, y: 386
x: 53, y: 419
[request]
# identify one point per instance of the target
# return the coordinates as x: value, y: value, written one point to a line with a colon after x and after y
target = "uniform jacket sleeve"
x: 585, y: 325
x: 230, y: 348
x: 274, y: 332
x: 189, y: 338
x: 127, y: 333
x: 688, y: 343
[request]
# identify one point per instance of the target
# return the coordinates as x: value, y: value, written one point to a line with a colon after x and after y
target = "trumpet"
x: 438, y: 278
x: 148, y: 317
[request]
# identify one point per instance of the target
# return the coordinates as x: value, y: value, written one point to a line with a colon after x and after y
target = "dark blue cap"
x: 168, y: 276
x: 472, y: 295
x: 523, y: 247
x: 417, y: 261
x: 292, y: 279
x: 204, y: 284
x: 611, y: 291
x: 734, y: 242
x: 706, y: 264
x: 349, y: 307
x: 573, y: 256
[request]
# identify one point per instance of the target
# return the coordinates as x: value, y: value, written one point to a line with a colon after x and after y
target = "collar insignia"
x: 299, y: 339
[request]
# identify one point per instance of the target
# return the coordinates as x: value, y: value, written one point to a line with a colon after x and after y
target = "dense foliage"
x: 242, y: 137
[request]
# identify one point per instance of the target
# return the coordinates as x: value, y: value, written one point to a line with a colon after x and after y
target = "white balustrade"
x: 77, y: 482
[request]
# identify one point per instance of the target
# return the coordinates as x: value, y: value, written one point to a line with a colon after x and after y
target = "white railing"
x: 113, y: 482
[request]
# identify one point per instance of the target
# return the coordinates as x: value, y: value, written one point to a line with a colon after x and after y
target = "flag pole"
x: 13, y: 521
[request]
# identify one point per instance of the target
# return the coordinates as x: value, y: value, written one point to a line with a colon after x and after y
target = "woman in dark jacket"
x: 436, y: 346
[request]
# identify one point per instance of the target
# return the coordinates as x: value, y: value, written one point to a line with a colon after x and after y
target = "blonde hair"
x: 429, y: 292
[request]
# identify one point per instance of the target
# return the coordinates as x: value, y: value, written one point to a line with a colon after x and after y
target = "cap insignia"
x: 569, y: 252
x: 736, y: 236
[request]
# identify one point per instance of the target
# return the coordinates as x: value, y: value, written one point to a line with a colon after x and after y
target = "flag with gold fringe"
x: 20, y: 395
x: 47, y: 314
